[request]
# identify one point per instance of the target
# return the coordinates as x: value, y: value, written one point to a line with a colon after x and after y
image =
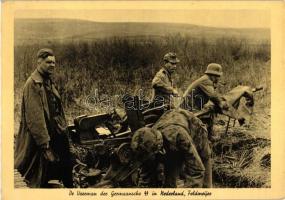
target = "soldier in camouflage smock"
x: 185, y: 142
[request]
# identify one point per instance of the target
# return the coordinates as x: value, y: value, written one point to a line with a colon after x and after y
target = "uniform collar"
x: 166, y: 72
x: 207, y: 77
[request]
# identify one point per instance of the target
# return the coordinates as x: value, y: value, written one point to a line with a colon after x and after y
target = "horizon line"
x: 151, y: 22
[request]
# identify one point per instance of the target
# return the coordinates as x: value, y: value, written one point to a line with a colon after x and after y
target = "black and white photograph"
x: 142, y: 98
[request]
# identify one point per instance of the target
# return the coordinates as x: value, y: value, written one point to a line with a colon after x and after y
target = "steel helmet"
x: 214, y: 69
x: 171, y: 57
x: 147, y: 140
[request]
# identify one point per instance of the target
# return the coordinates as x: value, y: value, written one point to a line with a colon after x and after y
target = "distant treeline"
x: 118, y: 65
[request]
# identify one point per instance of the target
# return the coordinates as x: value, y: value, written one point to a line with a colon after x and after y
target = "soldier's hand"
x: 49, y: 155
x: 224, y: 105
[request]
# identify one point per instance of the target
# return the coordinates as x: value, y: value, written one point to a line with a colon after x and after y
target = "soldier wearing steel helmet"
x: 185, y: 143
x: 197, y: 95
x: 202, y: 90
x: 162, y: 81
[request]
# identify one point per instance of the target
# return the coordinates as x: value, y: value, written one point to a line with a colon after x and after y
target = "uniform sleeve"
x: 200, y: 137
x: 211, y: 93
x: 159, y: 82
x: 34, y: 114
x: 186, y: 93
x: 194, y: 168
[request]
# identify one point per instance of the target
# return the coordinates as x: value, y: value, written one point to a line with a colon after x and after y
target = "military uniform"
x: 162, y: 82
x: 199, y: 93
x: 163, y: 86
x: 194, y: 99
x: 147, y: 143
x: 185, y: 141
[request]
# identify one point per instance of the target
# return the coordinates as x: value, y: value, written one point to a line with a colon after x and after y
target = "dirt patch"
x: 242, y: 157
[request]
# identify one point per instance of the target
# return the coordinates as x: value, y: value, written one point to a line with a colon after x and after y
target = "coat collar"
x: 166, y: 72
x: 37, y: 77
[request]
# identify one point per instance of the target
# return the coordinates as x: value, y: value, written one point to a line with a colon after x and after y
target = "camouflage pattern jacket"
x: 193, y: 125
x: 185, y: 135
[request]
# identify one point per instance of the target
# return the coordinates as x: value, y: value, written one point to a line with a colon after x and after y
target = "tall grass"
x: 125, y: 65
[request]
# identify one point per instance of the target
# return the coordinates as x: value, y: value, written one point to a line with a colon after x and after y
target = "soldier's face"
x: 215, y: 79
x: 171, y: 67
x: 47, y: 64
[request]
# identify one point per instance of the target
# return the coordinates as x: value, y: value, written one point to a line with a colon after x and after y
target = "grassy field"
x: 117, y: 66
x: 112, y: 63
x: 126, y: 59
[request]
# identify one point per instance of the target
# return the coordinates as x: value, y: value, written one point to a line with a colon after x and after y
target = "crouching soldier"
x: 185, y: 143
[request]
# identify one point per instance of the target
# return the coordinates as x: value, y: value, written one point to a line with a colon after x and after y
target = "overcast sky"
x: 214, y: 18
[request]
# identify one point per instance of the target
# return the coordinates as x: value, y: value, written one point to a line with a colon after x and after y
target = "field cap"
x: 171, y: 57
x: 45, y: 52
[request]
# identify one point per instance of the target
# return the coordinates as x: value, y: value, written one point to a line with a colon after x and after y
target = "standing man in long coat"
x: 42, y: 145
